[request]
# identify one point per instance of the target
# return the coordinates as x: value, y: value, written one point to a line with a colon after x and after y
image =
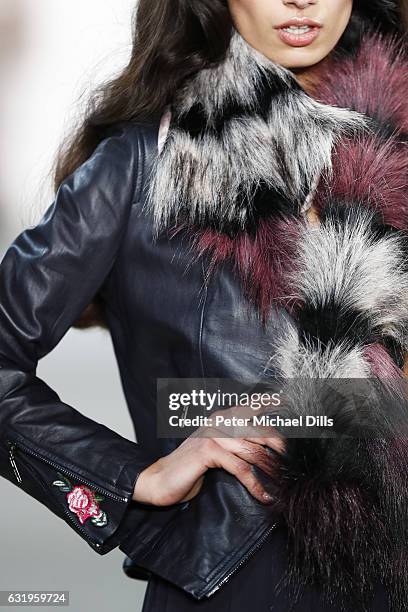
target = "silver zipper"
x: 14, y: 464
x: 244, y: 559
x: 24, y: 448
x: 13, y: 445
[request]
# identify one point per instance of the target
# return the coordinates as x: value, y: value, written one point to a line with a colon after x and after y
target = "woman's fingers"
x: 241, y: 469
x: 179, y: 475
x: 263, y: 435
x: 251, y: 449
x: 253, y: 453
x: 276, y: 443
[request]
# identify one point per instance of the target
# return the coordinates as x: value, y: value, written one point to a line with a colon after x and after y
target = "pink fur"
x: 381, y: 363
x: 374, y: 82
x: 262, y: 262
x: 372, y: 172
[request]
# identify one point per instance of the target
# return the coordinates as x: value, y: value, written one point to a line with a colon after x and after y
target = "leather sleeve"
x: 80, y: 469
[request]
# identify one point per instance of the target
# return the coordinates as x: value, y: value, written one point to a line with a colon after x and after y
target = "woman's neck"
x: 309, y: 77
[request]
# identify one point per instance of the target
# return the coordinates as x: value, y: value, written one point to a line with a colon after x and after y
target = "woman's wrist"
x: 142, y: 491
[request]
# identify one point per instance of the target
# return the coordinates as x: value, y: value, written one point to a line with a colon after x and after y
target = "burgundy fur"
x: 375, y: 82
x: 382, y: 365
x: 263, y: 262
x: 370, y: 171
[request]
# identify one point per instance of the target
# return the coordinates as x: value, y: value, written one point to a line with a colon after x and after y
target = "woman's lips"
x: 298, y: 32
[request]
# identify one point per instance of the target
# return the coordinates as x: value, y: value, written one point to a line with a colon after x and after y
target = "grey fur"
x: 236, y: 79
x: 198, y: 179
x: 292, y: 359
x: 346, y: 265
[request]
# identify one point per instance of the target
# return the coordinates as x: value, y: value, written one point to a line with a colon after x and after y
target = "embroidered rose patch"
x: 83, y: 501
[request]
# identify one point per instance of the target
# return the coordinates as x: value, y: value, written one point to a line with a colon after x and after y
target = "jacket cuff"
x: 94, y: 512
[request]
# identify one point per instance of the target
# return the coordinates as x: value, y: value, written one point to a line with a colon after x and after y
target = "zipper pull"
x: 14, y: 464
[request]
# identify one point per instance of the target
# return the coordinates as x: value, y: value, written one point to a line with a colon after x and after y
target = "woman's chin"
x: 300, y: 58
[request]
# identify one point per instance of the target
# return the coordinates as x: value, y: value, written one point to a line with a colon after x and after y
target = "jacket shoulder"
x: 141, y: 137
x: 142, y: 133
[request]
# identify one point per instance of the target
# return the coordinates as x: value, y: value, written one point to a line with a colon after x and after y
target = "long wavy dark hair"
x: 172, y: 40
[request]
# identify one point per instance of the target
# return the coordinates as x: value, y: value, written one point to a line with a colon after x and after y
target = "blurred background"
x: 51, y: 52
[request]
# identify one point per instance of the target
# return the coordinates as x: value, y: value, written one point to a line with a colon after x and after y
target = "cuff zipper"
x: 13, y: 463
x: 18, y: 445
x: 13, y: 445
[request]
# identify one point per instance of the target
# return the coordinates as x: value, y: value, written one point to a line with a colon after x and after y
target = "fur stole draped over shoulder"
x: 247, y: 151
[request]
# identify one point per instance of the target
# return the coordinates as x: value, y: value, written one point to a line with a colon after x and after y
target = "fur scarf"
x: 246, y: 152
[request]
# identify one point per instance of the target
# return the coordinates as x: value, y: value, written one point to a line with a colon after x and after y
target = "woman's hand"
x: 179, y: 476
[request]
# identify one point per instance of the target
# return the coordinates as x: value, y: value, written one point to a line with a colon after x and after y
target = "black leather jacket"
x: 165, y: 321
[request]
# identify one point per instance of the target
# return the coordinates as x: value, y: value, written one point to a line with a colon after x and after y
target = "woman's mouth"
x: 298, y: 31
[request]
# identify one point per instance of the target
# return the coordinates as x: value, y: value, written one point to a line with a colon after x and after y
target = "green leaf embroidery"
x: 62, y: 485
x: 65, y: 480
x: 101, y: 520
x: 59, y: 483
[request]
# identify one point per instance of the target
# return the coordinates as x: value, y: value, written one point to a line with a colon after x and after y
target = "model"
x: 233, y: 206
